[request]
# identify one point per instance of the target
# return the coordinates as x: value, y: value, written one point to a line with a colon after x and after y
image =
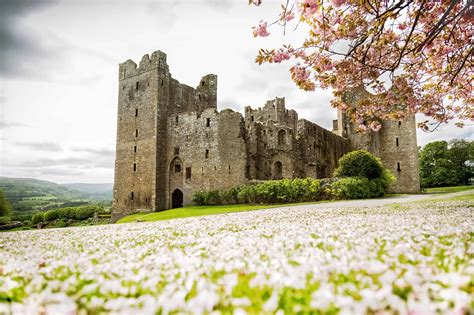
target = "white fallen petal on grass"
x: 377, y: 260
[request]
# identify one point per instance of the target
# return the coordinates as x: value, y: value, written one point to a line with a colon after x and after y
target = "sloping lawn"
x: 451, y: 189
x: 194, y: 211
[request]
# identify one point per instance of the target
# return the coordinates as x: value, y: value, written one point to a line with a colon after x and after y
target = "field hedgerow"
x: 407, y: 259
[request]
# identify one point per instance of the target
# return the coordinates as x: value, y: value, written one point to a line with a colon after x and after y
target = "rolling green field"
x: 450, y: 189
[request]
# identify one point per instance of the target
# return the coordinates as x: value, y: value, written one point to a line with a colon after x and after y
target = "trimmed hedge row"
x: 295, y: 190
x: 74, y: 213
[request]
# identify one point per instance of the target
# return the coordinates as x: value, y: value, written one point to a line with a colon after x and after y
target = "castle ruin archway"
x: 176, y: 199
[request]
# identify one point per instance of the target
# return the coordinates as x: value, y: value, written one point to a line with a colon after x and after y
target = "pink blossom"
x: 338, y: 3
x: 280, y: 55
x: 260, y: 30
x: 308, y: 7
x: 375, y: 126
x: 289, y: 16
x: 301, y: 73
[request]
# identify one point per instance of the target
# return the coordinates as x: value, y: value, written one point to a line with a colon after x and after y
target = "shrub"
x: 359, y: 163
x: 83, y: 213
x: 357, y: 188
x: 199, y: 197
x: 4, y: 220
x: 66, y: 213
x: 37, y: 217
x: 51, y: 215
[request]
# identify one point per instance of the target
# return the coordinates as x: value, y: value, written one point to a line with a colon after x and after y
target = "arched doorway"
x: 176, y: 199
x: 277, y: 170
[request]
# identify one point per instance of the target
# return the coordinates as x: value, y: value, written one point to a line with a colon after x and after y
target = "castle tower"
x: 141, y: 135
x: 395, y: 144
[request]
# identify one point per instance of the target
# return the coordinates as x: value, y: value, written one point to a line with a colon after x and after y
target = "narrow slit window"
x: 176, y: 120
x: 398, y: 167
x: 162, y: 82
x: 188, y: 173
x: 207, y: 154
x: 176, y: 151
x: 399, y: 124
x: 136, y: 132
x: 132, y: 195
x: 208, y: 122
x: 135, y: 149
x: 136, y: 86
x: 252, y: 118
x: 136, y: 112
x: 396, y: 140
x: 134, y: 167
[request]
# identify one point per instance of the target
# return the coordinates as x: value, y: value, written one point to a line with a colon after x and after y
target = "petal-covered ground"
x: 413, y: 258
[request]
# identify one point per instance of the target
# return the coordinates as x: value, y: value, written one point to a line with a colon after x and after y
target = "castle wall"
x: 211, y: 149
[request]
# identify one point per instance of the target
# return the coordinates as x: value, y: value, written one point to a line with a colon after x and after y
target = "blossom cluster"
x: 410, y: 259
x: 415, y: 56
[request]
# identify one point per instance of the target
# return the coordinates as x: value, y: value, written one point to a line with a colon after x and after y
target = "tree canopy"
x: 413, y: 56
x: 443, y: 164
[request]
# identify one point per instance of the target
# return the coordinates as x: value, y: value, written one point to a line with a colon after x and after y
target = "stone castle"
x: 172, y: 141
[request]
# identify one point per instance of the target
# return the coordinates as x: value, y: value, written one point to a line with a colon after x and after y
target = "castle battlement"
x: 130, y: 69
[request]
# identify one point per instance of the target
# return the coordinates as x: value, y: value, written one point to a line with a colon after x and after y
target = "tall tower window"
x: 208, y: 122
x: 396, y: 140
x: 176, y: 151
x: 132, y: 196
x: 207, y: 153
x: 177, y: 168
x: 188, y: 173
x: 398, y: 167
x: 136, y: 132
x: 252, y: 118
x: 135, y: 149
x: 399, y: 124
x: 134, y: 167
x: 136, y: 86
x: 136, y: 112
x: 176, y: 120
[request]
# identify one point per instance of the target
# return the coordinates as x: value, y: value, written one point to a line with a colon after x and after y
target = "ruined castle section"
x: 206, y: 151
x: 271, y: 141
x: 399, y: 153
x: 141, y: 108
x: 320, y: 150
x: 184, y: 98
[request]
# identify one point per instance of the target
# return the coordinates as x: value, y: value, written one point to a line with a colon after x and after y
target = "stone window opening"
x: 396, y: 140
x: 135, y: 149
x: 278, y: 170
x: 281, y: 137
x: 215, y: 168
x: 398, y: 167
x: 176, y: 151
x: 252, y: 118
x: 203, y: 83
x: 176, y: 120
x: 399, y: 124
x: 314, y: 145
x: 208, y: 122
x: 132, y: 196
x: 136, y: 112
x: 207, y: 153
x: 136, y: 133
x: 188, y: 173
x: 134, y: 167
x: 136, y: 86
x: 199, y: 95
x: 162, y: 82
x: 146, y: 199
x: 177, y: 168
x: 264, y: 132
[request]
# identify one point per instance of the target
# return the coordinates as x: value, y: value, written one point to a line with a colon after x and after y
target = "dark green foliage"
x: 4, y: 220
x: 358, y: 188
x: 83, y: 213
x: 37, y: 217
x: 51, y: 215
x: 273, y: 191
x: 359, y: 163
x: 5, y: 207
x: 447, y: 165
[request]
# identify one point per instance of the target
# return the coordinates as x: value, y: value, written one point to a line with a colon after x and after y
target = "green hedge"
x: 357, y: 188
x: 272, y: 191
x: 64, y: 214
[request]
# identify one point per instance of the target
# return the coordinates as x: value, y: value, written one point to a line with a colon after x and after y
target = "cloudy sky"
x: 59, y: 68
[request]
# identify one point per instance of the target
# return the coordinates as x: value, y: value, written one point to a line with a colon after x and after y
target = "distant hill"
x: 29, y: 195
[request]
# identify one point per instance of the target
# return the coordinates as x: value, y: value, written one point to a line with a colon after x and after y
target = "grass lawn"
x: 451, y: 189
x: 194, y: 211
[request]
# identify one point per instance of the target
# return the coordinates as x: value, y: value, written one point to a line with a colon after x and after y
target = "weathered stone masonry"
x: 172, y: 142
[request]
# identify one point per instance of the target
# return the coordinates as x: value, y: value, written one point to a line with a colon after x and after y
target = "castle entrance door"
x: 177, y: 199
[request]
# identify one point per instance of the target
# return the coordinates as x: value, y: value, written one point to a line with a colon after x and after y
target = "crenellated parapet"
x: 130, y: 69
